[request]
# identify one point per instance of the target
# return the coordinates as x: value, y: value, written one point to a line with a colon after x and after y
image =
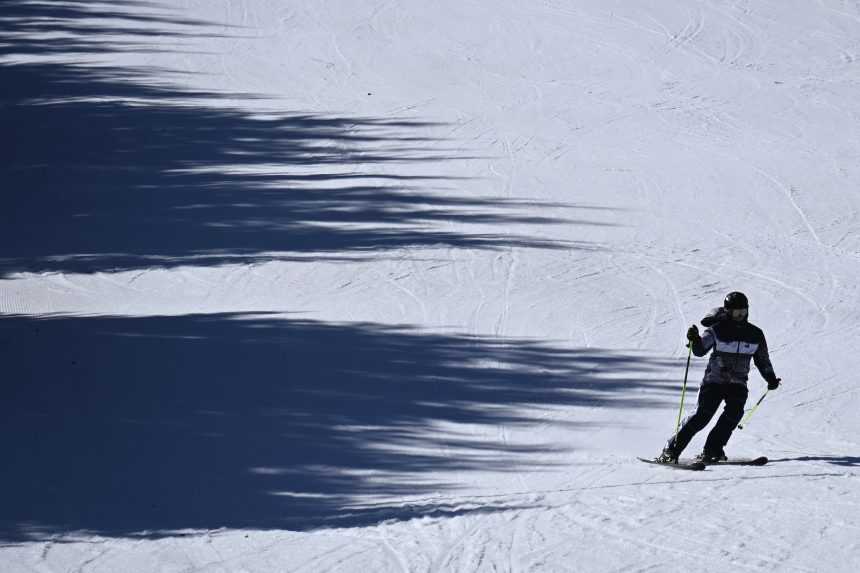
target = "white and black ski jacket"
x: 734, y: 345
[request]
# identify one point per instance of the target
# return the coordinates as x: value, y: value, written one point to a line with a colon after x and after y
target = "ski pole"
x: 683, y: 390
x: 752, y: 411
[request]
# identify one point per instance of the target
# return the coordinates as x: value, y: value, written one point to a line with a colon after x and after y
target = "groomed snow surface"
x: 403, y: 285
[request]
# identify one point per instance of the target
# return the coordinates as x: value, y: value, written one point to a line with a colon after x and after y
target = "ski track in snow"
x: 689, y: 148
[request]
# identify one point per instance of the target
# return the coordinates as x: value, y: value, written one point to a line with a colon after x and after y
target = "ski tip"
x: 759, y: 461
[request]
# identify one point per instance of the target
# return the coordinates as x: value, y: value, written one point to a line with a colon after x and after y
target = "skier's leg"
x: 707, y: 404
x: 718, y: 437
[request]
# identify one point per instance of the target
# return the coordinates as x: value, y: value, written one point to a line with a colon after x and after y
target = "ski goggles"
x: 738, y: 313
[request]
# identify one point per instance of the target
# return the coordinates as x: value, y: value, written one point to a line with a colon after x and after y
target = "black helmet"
x: 736, y: 300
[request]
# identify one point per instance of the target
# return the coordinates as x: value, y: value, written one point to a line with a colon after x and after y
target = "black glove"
x: 693, y: 333
x: 773, y: 384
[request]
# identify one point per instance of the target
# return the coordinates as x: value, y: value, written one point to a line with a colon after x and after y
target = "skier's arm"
x: 762, y: 362
x: 716, y: 315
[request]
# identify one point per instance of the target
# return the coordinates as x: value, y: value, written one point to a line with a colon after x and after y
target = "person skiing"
x: 734, y: 341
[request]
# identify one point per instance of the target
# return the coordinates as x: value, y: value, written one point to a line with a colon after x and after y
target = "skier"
x: 734, y: 341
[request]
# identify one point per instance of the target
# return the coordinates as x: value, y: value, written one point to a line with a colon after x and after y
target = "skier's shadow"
x: 848, y: 461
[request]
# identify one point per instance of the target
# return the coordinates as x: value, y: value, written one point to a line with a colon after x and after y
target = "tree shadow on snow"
x: 109, y: 169
x: 150, y: 426
x: 39, y: 27
x: 126, y: 426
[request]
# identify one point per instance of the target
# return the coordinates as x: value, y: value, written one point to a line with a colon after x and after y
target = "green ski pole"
x: 752, y: 411
x: 683, y: 391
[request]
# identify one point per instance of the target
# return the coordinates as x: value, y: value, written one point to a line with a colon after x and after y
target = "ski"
x: 681, y: 465
x: 759, y: 461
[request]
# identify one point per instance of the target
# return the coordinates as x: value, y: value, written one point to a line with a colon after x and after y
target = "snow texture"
x: 403, y: 286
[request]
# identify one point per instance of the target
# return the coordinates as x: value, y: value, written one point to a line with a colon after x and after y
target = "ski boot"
x: 667, y: 456
x: 712, y: 457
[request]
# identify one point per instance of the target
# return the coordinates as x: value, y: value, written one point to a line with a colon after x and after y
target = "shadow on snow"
x: 151, y: 426
x: 847, y: 461
x: 125, y: 426
x: 113, y: 169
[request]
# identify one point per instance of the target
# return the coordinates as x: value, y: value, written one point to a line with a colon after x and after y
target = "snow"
x: 403, y: 286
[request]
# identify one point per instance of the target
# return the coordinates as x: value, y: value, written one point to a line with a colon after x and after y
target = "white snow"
x: 403, y: 286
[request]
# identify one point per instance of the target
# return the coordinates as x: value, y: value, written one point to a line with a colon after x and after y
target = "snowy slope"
x: 402, y: 286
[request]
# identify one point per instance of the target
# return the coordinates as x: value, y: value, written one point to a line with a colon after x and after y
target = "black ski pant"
x: 710, y: 397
